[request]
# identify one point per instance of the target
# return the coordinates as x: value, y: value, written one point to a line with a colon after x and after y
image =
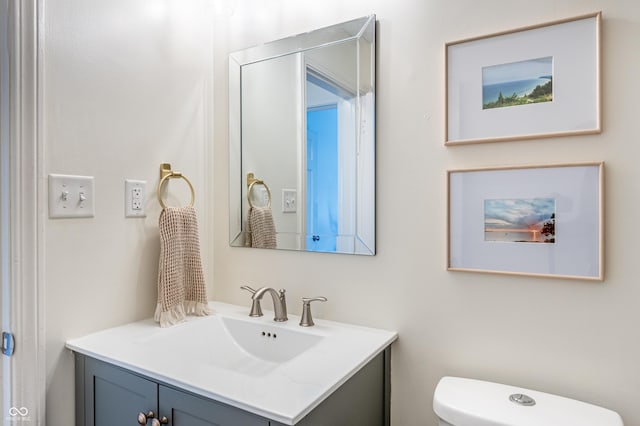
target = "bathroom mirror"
x: 302, y: 140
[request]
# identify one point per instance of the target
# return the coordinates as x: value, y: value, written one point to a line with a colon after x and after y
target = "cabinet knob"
x: 163, y: 421
x: 143, y: 418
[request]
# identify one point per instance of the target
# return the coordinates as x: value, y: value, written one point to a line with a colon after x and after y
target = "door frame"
x: 25, y: 184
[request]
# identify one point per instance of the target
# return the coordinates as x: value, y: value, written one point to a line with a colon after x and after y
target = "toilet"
x: 467, y: 402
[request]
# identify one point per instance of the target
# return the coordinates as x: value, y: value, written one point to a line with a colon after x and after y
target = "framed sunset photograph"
x: 527, y: 83
x: 520, y: 221
x: 544, y: 220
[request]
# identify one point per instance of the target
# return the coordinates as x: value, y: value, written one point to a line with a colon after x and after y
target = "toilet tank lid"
x: 469, y: 402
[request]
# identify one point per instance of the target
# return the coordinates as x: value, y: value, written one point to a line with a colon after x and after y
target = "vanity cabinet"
x: 108, y: 395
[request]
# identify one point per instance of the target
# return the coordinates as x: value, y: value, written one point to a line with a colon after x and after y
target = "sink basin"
x: 239, y: 344
x: 267, y: 342
x: 280, y: 371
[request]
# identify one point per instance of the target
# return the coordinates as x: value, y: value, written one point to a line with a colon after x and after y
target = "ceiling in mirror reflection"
x: 302, y: 121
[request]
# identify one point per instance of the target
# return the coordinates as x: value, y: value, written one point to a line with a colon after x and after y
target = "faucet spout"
x: 279, y: 302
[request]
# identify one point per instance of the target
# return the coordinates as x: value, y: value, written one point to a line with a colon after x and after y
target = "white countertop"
x: 200, y: 356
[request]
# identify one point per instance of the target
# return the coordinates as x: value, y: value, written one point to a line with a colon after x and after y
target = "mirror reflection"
x: 302, y: 143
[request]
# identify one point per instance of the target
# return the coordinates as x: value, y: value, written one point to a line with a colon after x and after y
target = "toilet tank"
x: 467, y: 402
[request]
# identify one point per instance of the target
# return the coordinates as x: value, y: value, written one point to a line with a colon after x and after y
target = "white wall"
x: 574, y: 338
x: 127, y: 86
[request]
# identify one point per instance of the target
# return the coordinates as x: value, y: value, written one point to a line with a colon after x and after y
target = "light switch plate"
x: 71, y: 196
x: 289, y: 201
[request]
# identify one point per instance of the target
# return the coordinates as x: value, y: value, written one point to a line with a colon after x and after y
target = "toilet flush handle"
x: 522, y: 399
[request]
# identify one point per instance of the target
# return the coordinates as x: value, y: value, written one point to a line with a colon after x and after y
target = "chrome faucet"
x: 279, y: 302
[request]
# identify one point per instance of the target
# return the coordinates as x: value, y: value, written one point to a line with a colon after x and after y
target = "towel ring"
x: 165, y: 174
x: 251, y: 181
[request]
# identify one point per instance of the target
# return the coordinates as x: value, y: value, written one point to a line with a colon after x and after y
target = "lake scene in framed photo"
x: 536, y: 220
x: 517, y: 83
x: 520, y: 220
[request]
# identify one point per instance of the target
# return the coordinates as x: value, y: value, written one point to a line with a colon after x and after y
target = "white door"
x: 21, y: 360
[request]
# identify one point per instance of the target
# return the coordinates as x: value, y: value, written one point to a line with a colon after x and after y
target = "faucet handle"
x: 249, y: 289
x: 307, y: 300
x: 307, y: 320
x: 256, y: 309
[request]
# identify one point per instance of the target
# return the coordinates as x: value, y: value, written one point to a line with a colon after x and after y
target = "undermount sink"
x: 278, y: 370
x: 269, y: 342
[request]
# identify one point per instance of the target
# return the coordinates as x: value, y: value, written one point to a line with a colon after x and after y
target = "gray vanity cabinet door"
x: 183, y: 409
x: 116, y: 397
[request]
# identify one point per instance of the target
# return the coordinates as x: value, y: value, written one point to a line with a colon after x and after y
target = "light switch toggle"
x: 71, y: 196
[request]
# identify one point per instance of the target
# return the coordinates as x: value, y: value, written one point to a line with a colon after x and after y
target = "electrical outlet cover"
x: 134, y: 198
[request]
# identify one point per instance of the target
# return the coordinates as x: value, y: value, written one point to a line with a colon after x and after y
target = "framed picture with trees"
x: 544, y: 220
x: 532, y: 82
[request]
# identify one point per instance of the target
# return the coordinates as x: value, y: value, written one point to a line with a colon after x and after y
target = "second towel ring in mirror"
x: 251, y: 181
x: 165, y: 174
